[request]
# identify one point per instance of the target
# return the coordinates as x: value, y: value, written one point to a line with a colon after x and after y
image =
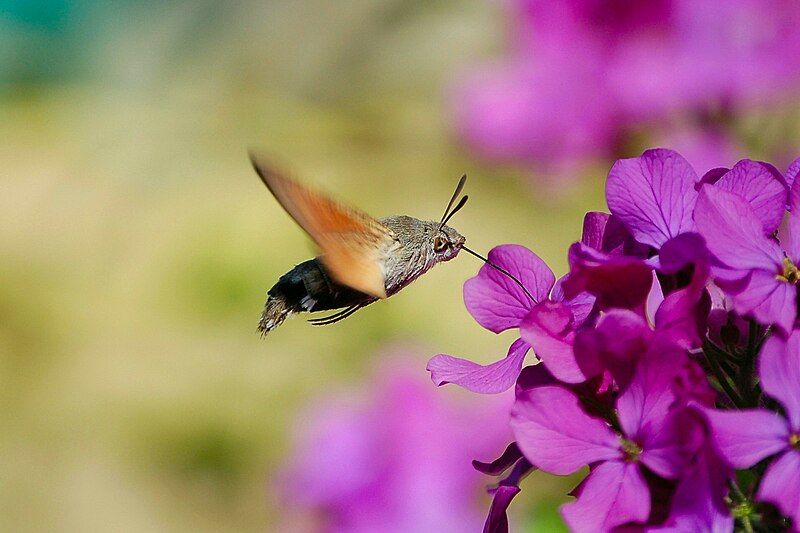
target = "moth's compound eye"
x: 440, y: 244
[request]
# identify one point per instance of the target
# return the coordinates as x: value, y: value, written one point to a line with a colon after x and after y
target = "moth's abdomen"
x: 276, y: 310
x: 305, y: 288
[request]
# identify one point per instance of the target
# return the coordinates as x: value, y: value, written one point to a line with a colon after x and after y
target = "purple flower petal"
x: 616, y: 343
x: 605, y: 233
x: 683, y: 314
x: 497, y: 302
x: 644, y: 404
x: 779, y: 369
x: 556, y: 435
x: 616, y: 281
x: 780, y: 485
x: 510, y: 456
x: 615, y: 493
x: 497, y: 521
x: 745, y: 437
x: 533, y: 376
x: 767, y: 299
x: 790, y: 239
x: 760, y: 185
x: 711, y: 177
x: 684, y: 250
x: 581, y: 305
x: 548, y: 331
x: 733, y: 232
x: 792, y: 171
x: 653, y: 195
x: 668, y: 445
x: 698, y: 504
x: 489, y: 379
x: 594, y: 229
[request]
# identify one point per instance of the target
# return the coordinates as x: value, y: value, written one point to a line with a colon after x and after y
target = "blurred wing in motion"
x: 350, y: 241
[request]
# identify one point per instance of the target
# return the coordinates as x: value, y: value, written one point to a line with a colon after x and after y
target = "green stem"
x: 745, y: 378
x: 710, y: 350
x: 744, y: 503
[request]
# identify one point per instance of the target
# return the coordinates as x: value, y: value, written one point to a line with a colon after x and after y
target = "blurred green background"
x: 136, y: 243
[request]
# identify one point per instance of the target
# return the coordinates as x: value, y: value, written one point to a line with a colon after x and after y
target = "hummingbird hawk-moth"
x: 362, y: 259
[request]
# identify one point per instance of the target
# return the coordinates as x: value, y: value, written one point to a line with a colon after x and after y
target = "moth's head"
x: 446, y: 242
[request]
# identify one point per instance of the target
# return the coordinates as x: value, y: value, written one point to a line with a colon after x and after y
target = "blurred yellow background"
x: 137, y: 244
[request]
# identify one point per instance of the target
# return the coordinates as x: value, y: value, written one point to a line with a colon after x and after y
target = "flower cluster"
x: 356, y: 459
x: 677, y: 70
x: 667, y: 360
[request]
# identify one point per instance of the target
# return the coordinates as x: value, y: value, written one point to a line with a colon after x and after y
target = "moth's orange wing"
x: 349, y: 240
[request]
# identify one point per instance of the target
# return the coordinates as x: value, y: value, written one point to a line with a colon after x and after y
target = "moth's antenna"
x: 458, y: 207
x: 502, y: 271
x: 458, y: 190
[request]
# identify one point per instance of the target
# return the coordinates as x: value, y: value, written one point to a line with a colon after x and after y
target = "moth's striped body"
x: 308, y: 287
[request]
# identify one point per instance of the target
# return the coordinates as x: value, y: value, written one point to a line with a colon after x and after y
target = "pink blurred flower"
x: 395, y: 457
x: 582, y: 75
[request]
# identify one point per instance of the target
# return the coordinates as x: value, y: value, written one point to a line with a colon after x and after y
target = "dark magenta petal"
x: 643, y: 406
x: 653, y: 195
x: 615, y: 344
x: 555, y: 434
x: 510, y: 456
x: 606, y: 233
x: 681, y: 251
x: 548, y: 331
x: 533, y: 376
x: 692, y: 387
x: 497, y: 521
x: 615, y: 493
x: 616, y: 281
x: 489, y: 379
x: 699, y: 500
x: 780, y: 485
x: 496, y: 301
x: 745, y: 437
x: 762, y: 186
x: 594, y: 229
x: 733, y: 232
x: 779, y: 369
x: 711, y: 177
x: 683, y: 314
x: 670, y: 444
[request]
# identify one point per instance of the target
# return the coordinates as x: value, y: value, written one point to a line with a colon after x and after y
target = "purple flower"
x: 498, y: 304
x: 752, y: 269
x: 613, y: 69
x: 746, y: 437
x: 395, y: 458
x: 652, y: 197
x: 556, y: 434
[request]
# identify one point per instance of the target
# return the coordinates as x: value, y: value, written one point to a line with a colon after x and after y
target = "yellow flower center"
x: 630, y: 449
x: 794, y: 440
x: 790, y: 272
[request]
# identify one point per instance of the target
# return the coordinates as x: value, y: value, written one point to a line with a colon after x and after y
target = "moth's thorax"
x: 412, y: 252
